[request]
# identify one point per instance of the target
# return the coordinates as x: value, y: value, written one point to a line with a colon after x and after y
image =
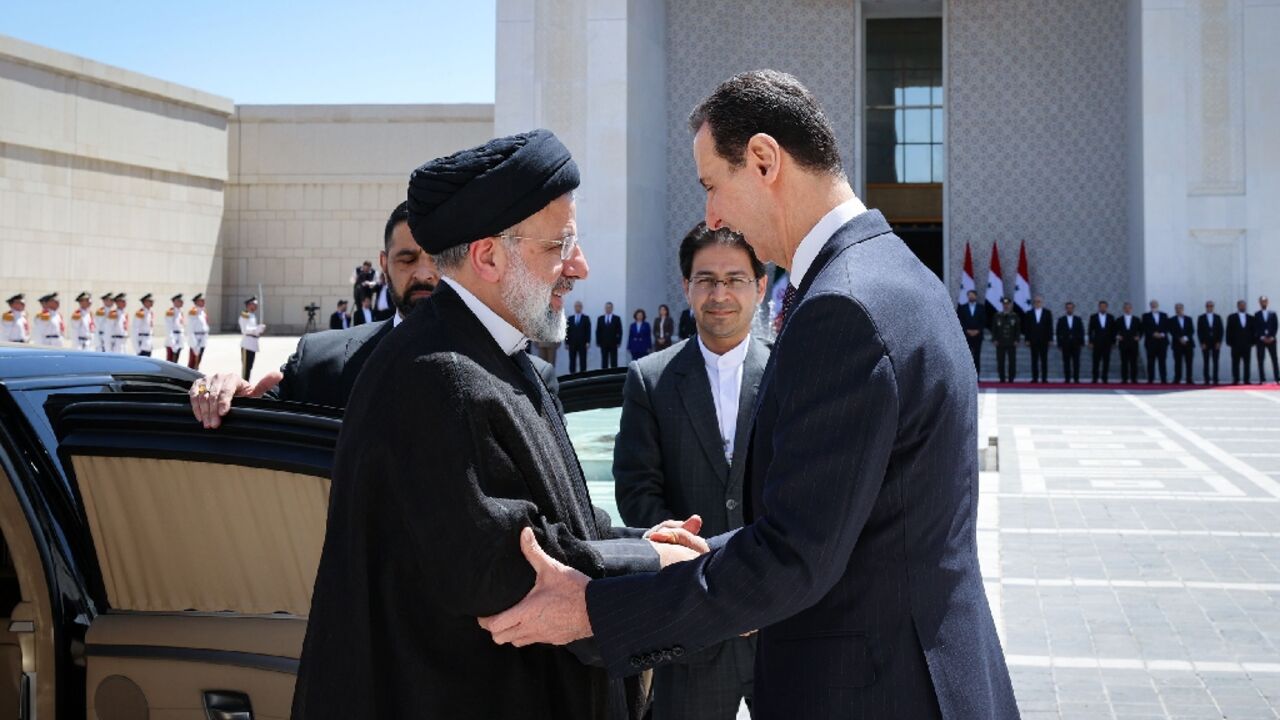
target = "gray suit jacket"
x: 669, y: 459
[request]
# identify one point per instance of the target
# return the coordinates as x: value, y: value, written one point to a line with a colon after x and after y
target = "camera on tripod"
x: 311, y: 317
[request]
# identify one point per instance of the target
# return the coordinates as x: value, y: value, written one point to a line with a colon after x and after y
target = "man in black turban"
x: 451, y: 445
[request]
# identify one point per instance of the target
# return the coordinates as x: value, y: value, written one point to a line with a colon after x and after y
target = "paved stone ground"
x: 1131, y: 545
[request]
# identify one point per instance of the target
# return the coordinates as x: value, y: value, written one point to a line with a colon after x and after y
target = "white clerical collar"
x: 504, y: 333
x: 730, y: 360
x: 812, y: 243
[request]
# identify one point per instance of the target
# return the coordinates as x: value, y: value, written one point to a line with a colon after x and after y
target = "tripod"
x: 311, y: 318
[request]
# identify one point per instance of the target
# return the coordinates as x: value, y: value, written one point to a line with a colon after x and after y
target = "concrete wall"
x: 592, y: 72
x: 1037, y: 130
x: 1211, y: 151
x: 109, y: 180
x: 310, y: 190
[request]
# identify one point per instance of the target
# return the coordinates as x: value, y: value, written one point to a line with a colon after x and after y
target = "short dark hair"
x: 398, y: 215
x: 774, y: 103
x: 701, y: 237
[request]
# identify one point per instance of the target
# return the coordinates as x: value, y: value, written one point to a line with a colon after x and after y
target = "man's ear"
x: 382, y: 262
x: 764, y: 156
x: 487, y: 259
x: 762, y: 284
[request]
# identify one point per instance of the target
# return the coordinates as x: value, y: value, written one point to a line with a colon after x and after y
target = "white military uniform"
x: 101, y: 323
x: 47, y: 328
x: 141, y: 331
x: 250, y: 330
x: 197, y: 329
x: 13, y: 326
x: 173, y: 325
x: 82, y: 328
x: 117, y: 333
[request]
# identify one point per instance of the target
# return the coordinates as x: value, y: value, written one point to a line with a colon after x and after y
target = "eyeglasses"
x: 567, y: 244
x: 708, y: 284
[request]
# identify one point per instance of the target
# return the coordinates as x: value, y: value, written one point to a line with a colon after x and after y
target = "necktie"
x: 577, y: 484
x: 788, y: 299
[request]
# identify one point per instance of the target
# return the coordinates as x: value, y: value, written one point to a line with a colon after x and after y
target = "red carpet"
x: 1086, y: 385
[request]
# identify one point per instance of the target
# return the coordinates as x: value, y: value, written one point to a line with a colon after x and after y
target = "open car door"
x: 205, y: 544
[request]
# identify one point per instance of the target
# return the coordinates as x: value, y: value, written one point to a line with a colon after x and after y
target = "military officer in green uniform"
x: 1005, y: 333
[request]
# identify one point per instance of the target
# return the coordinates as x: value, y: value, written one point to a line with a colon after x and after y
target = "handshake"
x: 555, y: 610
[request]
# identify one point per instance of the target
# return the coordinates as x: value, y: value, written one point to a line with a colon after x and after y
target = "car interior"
x: 26, y: 628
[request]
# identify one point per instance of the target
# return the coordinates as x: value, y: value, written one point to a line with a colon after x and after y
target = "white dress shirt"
x: 1038, y: 312
x: 1102, y: 320
x: 812, y: 243
x: 504, y: 333
x: 725, y: 374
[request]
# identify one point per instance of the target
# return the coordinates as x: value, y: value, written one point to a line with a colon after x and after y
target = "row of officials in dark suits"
x: 642, y: 338
x: 1156, y: 333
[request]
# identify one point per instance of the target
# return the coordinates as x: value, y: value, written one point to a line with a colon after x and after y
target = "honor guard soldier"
x: 197, y: 331
x: 1005, y: 332
x: 47, y: 327
x: 173, y: 326
x: 13, y: 326
x: 250, y: 331
x: 101, y: 321
x: 143, y: 324
x: 82, y: 324
x: 118, y: 325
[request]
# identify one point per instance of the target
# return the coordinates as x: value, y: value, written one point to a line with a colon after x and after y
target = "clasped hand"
x: 555, y: 610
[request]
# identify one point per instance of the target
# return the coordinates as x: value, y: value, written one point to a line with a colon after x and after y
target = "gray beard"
x: 528, y: 299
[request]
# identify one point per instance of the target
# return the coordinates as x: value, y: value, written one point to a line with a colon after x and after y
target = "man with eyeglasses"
x: 451, y: 446
x: 682, y: 445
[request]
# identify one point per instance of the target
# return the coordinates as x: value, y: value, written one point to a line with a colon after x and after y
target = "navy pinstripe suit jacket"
x: 859, y: 564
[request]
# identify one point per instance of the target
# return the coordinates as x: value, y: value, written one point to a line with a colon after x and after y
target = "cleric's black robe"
x: 444, y: 455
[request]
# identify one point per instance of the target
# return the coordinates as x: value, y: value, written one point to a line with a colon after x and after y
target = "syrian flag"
x: 966, y: 279
x: 995, y: 284
x: 1022, y: 286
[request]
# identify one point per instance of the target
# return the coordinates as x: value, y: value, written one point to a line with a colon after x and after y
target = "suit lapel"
x: 752, y: 375
x: 695, y: 393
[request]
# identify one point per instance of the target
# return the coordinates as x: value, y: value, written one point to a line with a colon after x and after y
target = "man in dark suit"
x: 1070, y: 339
x: 364, y: 313
x: 323, y: 368
x: 1241, y: 337
x: 340, y: 320
x: 973, y: 320
x: 1102, y: 335
x: 1209, y: 333
x: 858, y: 561
x: 578, y: 338
x: 688, y: 327
x: 1037, y: 328
x: 608, y: 336
x: 682, y: 445
x: 1182, y: 340
x: 1129, y: 338
x: 1264, y: 327
x: 420, y: 540
x: 1155, y: 333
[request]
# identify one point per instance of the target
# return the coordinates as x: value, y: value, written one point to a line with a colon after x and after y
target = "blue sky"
x: 270, y: 51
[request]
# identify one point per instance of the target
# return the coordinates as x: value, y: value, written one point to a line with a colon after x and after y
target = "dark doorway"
x: 925, y: 240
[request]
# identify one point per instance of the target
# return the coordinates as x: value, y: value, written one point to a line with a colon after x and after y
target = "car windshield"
x: 592, y: 433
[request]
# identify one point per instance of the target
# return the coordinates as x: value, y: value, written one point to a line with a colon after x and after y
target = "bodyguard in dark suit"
x: 364, y: 313
x: 858, y: 562
x: 1155, y: 333
x: 578, y: 338
x: 1102, y: 335
x: 1264, y: 327
x: 1241, y: 337
x: 1182, y: 340
x: 1129, y: 338
x: 421, y: 541
x: 1209, y: 332
x: 1070, y: 339
x: 1037, y: 328
x: 682, y: 446
x: 973, y: 320
x: 340, y: 320
x: 608, y: 336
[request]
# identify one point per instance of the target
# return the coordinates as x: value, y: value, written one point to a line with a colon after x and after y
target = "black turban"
x: 480, y: 192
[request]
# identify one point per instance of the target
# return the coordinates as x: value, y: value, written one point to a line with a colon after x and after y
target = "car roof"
x: 19, y: 361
